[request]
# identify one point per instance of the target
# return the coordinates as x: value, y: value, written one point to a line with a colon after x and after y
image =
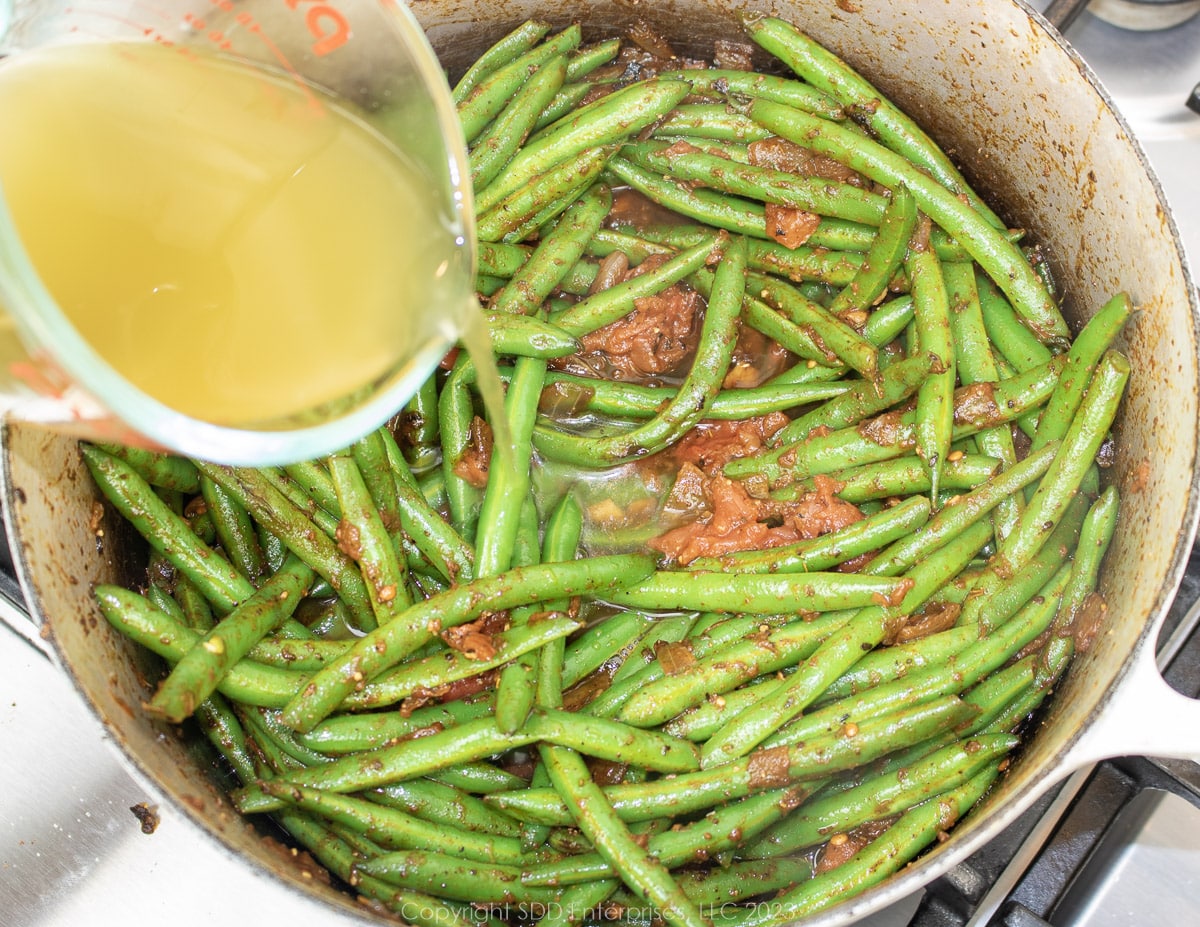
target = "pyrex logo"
x: 326, y: 24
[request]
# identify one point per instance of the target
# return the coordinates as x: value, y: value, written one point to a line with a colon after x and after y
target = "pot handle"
x: 1143, y: 715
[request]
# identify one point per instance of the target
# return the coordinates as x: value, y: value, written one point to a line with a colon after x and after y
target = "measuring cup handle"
x: 1143, y: 716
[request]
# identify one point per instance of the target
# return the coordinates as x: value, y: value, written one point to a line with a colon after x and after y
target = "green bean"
x: 514, y: 43
x: 408, y: 759
x: 861, y: 400
x: 516, y: 686
x: 951, y: 520
x: 347, y: 733
x: 437, y: 540
x: 754, y: 593
x: 604, y: 641
x: 934, y: 422
x: 340, y: 851
x: 1094, y: 537
x: 385, y: 647
x: 828, y: 550
x: 669, y: 630
x: 444, y: 875
x: 883, y: 796
x: 1095, y: 338
x: 447, y: 666
x: 364, y: 538
x: 508, y: 486
x: 477, y: 778
x: 608, y: 305
x: 636, y: 866
x: 722, y: 829
x: 905, y: 476
x: 1011, y: 716
x: 1014, y: 343
x: 879, y: 666
x: 417, y: 425
x: 617, y: 116
x: 569, y: 97
x: 1000, y: 258
x: 500, y: 259
x: 832, y: 76
x: 847, y: 345
x: 456, y: 412
x: 995, y: 695
x: 726, y: 668
x: 915, y: 830
x: 731, y: 213
x: 137, y: 619
x: 526, y: 336
x: 723, y: 632
x: 718, y: 337
x: 265, y: 724
x: 224, y: 731
x: 714, y: 209
x: 781, y: 329
x: 796, y: 264
x: 487, y: 285
x: 768, y: 185
x: 896, y: 661
x: 160, y: 591
x: 488, y: 97
x: 302, y: 503
x: 167, y: 533
x: 497, y: 144
x: 632, y: 401
x: 885, y: 257
x: 971, y: 665
x: 274, y: 550
x: 721, y: 83
x: 394, y: 829
x: 1057, y: 488
x: 305, y: 655
x: 840, y: 651
x: 685, y: 794
x: 315, y: 487
x: 709, y: 121
x: 542, y: 197
x: 587, y: 59
x: 278, y: 515
x: 892, y: 435
x: 165, y: 471
x: 975, y: 364
x: 372, y: 458
x: 576, y: 902
x: 816, y: 263
x: 533, y: 282
x: 474, y: 740
x: 438, y: 804
x: 699, y: 723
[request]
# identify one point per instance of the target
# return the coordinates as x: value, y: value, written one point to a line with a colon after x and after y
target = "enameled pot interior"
x: 1030, y: 130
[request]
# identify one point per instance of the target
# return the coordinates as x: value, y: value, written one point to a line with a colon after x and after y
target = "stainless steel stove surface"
x: 1118, y: 845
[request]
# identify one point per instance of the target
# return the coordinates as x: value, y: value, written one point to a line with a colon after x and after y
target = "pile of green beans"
x: 485, y: 703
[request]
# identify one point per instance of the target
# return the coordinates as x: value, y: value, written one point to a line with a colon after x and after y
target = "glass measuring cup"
x: 341, y: 100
